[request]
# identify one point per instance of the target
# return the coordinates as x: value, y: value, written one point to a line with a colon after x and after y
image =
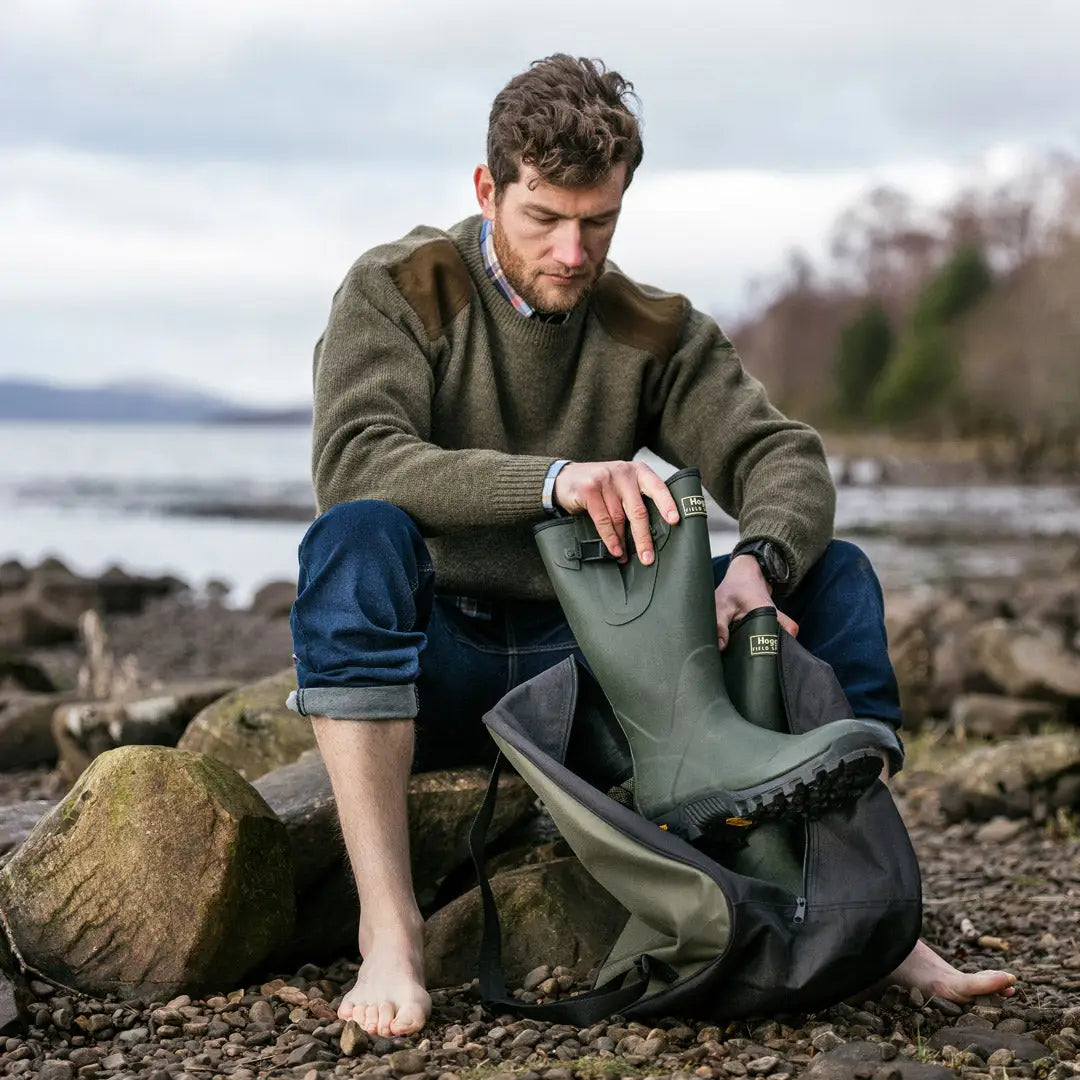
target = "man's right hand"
x: 610, y: 493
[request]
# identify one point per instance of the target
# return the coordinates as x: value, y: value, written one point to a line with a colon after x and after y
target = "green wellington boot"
x: 773, y: 850
x: 649, y: 636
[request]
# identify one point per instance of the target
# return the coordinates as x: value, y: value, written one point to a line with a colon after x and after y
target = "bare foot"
x: 933, y: 974
x: 389, y: 996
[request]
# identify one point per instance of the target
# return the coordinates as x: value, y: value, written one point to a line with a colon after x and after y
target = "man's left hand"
x: 744, y: 588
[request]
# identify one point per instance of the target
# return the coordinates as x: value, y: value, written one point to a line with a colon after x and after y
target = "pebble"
x: 536, y: 977
x: 234, y: 1034
x: 304, y: 1054
x: 408, y: 1062
x: 763, y: 1065
x: 826, y: 1041
x: 56, y: 1070
x: 354, y: 1039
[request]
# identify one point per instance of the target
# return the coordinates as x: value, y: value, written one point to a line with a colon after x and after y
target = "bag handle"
x: 582, y: 1010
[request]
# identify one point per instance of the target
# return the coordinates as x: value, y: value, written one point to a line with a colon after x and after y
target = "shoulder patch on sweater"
x: 435, y: 283
x: 633, y: 317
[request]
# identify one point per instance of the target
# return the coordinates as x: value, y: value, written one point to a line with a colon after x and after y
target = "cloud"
x: 183, y: 184
x: 768, y: 85
x: 222, y: 274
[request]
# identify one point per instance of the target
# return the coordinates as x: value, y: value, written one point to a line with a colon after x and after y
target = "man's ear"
x: 485, y: 191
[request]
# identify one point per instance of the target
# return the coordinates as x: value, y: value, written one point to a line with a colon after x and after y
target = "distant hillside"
x: 148, y: 403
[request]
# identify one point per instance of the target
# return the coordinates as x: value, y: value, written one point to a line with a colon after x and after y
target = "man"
x: 470, y: 382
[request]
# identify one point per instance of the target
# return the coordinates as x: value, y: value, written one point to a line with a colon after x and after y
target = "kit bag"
x: 701, y: 940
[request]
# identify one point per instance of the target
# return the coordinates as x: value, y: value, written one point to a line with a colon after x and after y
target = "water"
x: 153, y: 499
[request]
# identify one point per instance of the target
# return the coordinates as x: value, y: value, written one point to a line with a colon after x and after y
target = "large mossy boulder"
x: 552, y: 913
x: 1027, y: 777
x: 251, y: 729
x: 162, y: 872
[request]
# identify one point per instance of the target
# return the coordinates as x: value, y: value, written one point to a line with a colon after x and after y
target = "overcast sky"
x: 183, y: 183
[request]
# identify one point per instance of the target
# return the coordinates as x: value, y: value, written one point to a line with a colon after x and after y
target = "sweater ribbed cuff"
x: 793, y: 543
x: 518, y: 489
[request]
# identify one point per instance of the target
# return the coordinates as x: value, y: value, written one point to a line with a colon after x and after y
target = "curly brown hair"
x: 566, y: 117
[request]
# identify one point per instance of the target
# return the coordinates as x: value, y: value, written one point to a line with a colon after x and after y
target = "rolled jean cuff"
x: 398, y: 702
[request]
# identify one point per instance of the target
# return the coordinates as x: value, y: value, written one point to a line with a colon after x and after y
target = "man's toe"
x: 369, y: 1018
x: 410, y: 1018
x: 386, y: 1013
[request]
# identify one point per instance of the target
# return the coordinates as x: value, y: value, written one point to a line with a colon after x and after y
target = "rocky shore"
x: 990, y: 676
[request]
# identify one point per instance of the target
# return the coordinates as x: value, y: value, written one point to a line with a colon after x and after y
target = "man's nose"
x: 568, y: 249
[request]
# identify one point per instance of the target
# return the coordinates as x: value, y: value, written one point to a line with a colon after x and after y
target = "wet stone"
x: 304, y: 1054
x: 407, y: 1062
x: 536, y: 977
x: 56, y: 1070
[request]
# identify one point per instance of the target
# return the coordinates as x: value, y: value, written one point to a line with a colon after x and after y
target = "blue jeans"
x: 373, y: 639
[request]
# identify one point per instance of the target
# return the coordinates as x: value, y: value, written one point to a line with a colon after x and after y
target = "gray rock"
x: 556, y: 909
x: 1030, y: 777
x: 250, y: 729
x: 858, y: 1059
x: 986, y: 1042
x: 304, y: 1054
x: 56, y: 1070
x: 991, y: 716
x: 27, y: 621
x: 13, y: 576
x: 20, y: 673
x: 1025, y: 661
x: 26, y: 736
x: 1000, y: 830
x: 161, y: 871
x: 911, y: 652
x: 274, y: 599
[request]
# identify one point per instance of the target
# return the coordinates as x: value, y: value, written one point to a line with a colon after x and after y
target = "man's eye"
x: 544, y: 220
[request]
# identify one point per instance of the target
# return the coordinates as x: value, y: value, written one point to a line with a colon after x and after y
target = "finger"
x: 787, y: 623
x: 601, y: 518
x: 651, y: 484
x: 725, y: 615
x: 637, y: 515
x: 618, y: 518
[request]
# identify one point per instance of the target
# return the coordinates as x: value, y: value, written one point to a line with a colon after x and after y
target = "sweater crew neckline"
x: 523, y: 328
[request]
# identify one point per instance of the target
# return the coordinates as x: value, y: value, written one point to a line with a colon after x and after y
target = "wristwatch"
x: 773, y: 562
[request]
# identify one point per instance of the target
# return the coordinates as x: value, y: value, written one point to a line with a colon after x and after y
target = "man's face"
x: 551, y: 241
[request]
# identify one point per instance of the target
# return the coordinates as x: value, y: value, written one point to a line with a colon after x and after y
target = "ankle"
x: 393, y: 929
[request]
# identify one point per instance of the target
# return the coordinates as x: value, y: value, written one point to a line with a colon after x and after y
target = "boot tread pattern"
x: 806, y: 793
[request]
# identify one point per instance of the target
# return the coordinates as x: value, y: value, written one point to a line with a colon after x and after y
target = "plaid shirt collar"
x: 498, y: 276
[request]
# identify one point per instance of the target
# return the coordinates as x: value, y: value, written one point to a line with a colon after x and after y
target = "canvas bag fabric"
x: 701, y: 940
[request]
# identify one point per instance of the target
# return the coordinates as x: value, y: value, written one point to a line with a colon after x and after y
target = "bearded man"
x: 473, y: 380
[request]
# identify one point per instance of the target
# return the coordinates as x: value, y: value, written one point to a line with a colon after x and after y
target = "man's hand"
x: 744, y: 588
x: 610, y: 493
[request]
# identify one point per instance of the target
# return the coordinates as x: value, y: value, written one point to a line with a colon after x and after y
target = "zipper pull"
x: 800, y: 909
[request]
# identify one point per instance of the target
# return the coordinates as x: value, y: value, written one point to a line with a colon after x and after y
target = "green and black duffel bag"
x: 702, y: 939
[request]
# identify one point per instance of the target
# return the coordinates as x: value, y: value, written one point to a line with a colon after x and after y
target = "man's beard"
x: 524, y: 282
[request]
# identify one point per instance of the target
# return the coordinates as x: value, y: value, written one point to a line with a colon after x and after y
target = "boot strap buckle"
x: 588, y: 551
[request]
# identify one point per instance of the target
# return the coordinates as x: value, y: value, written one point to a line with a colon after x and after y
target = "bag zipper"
x: 800, y: 901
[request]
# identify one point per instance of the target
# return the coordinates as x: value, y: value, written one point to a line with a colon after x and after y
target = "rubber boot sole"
x: 805, y: 793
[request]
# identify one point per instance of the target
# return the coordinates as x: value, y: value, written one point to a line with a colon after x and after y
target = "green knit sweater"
x: 433, y: 393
